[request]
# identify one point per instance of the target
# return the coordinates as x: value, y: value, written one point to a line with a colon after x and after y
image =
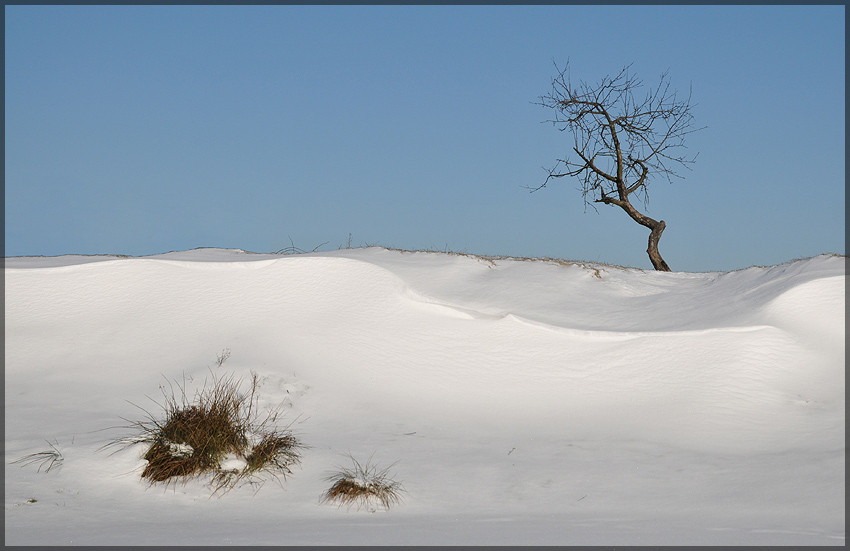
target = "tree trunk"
x: 652, y: 250
x: 644, y: 220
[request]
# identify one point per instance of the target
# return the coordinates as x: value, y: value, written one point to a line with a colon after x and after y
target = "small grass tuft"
x: 276, y: 451
x: 221, y: 358
x: 221, y: 424
x: 51, y: 458
x: 363, y: 485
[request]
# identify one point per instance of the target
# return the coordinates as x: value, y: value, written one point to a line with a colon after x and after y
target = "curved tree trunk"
x: 657, y: 228
x: 652, y: 250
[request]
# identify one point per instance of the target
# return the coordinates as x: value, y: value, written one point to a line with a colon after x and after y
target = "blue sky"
x: 144, y: 129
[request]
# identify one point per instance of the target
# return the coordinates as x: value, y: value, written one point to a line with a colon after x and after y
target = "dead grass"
x: 492, y: 259
x: 50, y: 458
x: 193, y: 438
x: 275, y: 452
x: 363, y: 485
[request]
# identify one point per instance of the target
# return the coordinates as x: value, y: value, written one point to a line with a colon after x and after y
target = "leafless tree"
x: 621, y: 141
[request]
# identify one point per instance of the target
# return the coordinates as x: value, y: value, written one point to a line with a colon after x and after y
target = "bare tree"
x: 621, y: 141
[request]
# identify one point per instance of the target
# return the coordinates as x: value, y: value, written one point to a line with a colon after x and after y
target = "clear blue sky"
x: 144, y: 129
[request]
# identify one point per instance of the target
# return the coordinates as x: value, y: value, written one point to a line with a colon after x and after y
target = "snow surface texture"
x: 526, y: 402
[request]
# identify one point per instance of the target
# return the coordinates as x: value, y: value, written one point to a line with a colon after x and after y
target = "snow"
x: 233, y: 463
x: 185, y: 450
x: 521, y: 401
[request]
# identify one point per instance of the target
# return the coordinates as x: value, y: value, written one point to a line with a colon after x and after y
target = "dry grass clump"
x: 220, y: 425
x: 275, y: 452
x: 363, y: 485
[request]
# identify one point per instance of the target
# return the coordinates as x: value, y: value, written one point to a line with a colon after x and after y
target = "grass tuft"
x: 221, y: 358
x: 194, y: 438
x: 51, y: 458
x: 276, y: 451
x: 363, y: 485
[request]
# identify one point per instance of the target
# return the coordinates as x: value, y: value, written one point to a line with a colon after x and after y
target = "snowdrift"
x: 526, y: 402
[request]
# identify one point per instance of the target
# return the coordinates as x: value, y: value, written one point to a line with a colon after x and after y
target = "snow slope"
x: 526, y: 402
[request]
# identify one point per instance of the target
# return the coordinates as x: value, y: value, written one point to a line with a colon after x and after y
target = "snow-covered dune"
x: 525, y: 402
